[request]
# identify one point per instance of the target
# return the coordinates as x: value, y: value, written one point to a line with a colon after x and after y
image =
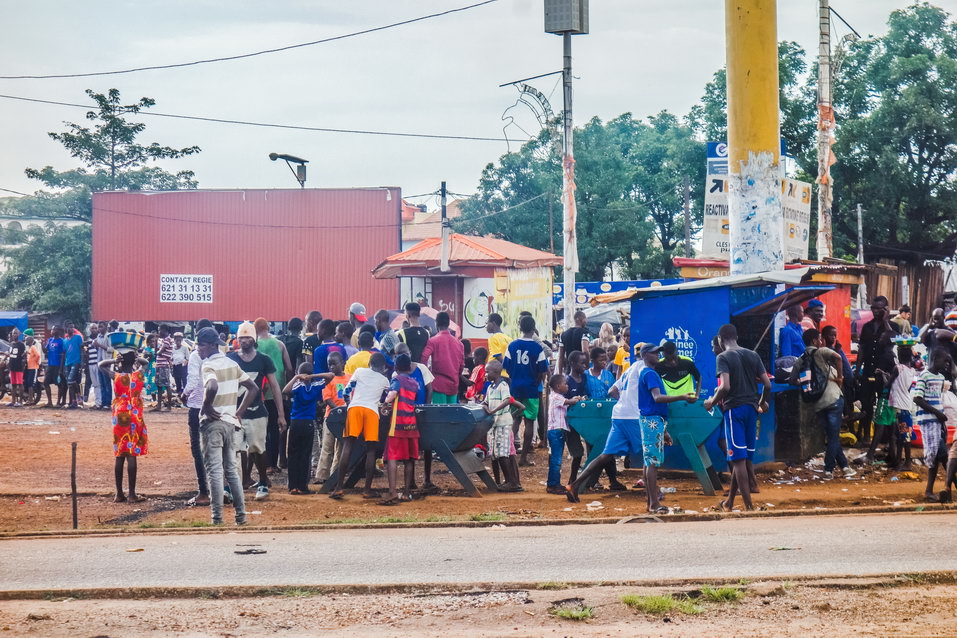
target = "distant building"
x: 418, y: 224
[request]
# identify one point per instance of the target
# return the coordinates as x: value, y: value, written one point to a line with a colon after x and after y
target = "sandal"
x: 337, y: 495
x: 371, y: 495
x: 660, y: 510
x: 136, y: 499
x: 723, y: 506
x: 389, y: 502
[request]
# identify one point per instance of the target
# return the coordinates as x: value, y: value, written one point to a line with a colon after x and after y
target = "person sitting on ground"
x: 402, y: 444
x: 930, y: 418
x: 130, y: 439
x: 498, y: 400
x: 362, y: 419
x: 558, y: 403
x: 527, y: 367
x: 305, y: 393
x: 829, y: 408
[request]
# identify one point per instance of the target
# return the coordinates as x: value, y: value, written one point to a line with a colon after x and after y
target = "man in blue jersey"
x: 527, y: 368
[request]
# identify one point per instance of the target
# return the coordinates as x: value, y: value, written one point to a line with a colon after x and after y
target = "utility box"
x: 566, y: 16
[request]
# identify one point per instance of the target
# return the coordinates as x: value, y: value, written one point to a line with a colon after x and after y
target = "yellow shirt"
x: 621, y: 360
x: 497, y: 346
x: 358, y: 360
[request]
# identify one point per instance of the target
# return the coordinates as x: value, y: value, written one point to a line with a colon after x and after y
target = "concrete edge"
x: 866, y: 581
x: 916, y: 508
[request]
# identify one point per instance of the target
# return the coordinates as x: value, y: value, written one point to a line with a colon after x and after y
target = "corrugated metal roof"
x: 794, y: 276
x: 467, y: 250
x: 272, y: 253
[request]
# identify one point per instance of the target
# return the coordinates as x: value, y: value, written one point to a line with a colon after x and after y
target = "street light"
x: 299, y: 172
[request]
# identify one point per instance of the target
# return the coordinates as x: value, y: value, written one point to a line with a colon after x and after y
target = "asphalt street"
x: 767, y: 547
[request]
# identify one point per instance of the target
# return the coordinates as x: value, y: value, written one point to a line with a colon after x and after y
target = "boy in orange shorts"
x: 364, y: 395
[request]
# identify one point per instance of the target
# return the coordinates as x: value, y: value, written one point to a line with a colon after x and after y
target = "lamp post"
x: 299, y: 172
x: 567, y: 18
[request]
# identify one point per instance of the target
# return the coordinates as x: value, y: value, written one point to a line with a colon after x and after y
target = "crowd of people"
x: 258, y: 402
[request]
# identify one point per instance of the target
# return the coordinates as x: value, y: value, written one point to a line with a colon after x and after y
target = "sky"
x: 438, y: 76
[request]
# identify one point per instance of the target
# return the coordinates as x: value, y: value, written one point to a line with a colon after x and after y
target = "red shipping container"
x: 231, y: 255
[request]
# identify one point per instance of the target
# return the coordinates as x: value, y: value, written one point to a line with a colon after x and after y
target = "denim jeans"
x: 830, y: 418
x: 197, y: 451
x: 220, y: 458
x: 106, y: 388
x: 556, y: 448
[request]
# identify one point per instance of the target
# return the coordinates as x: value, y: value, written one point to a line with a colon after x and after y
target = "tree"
x: 50, y: 272
x: 111, y: 159
x: 796, y: 100
x: 897, y: 138
x: 628, y: 193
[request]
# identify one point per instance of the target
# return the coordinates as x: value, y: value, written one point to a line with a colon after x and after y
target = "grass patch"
x: 660, y: 605
x: 580, y: 613
x: 487, y: 517
x: 550, y: 585
x: 721, y: 594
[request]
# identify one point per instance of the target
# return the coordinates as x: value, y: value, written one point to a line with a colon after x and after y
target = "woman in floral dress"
x: 130, y: 440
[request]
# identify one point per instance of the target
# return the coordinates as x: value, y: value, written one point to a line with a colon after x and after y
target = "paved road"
x: 826, y: 546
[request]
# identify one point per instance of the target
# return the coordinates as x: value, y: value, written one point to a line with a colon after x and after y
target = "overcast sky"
x: 437, y: 76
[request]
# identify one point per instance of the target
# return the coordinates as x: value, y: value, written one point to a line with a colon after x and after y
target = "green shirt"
x: 270, y: 347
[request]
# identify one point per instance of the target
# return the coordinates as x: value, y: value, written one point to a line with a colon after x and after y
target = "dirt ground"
x: 34, y: 489
x: 766, y: 609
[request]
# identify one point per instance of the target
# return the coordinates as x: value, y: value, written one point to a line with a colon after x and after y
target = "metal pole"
x: 754, y: 198
x: 825, y: 192
x: 570, y: 248
x: 73, y: 481
x: 446, y: 232
x: 551, y: 228
x: 862, y: 289
x: 687, y: 189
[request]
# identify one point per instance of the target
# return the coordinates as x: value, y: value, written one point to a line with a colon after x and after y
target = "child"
x: 365, y: 393
x: 403, y: 442
x: 130, y: 439
x: 527, y: 366
x: 900, y: 381
x: 477, y: 379
x: 931, y: 418
x: 558, y: 402
x: 305, y: 390
x: 502, y: 442
x: 577, y: 387
x: 424, y: 377
x: 333, y: 396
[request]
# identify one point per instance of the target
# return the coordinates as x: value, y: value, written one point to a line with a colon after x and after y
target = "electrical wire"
x: 7, y: 190
x: 271, y: 125
x: 246, y: 55
x: 504, y: 210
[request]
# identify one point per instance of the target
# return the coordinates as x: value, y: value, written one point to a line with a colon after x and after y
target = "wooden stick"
x: 73, y: 482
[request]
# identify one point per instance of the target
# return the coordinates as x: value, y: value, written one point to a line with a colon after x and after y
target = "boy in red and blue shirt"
x: 403, y: 441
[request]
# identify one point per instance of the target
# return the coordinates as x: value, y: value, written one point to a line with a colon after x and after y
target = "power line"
x: 271, y: 125
x: 245, y: 55
x: 7, y: 190
x: 504, y: 210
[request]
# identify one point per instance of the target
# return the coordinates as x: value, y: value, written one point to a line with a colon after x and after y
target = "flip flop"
x: 337, y: 496
x: 570, y: 495
x: 660, y: 510
x: 136, y: 499
x: 389, y: 502
x: 370, y: 496
x: 723, y: 506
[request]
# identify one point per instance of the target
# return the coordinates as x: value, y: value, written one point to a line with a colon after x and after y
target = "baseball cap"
x: 246, y: 329
x: 358, y: 310
x: 209, y: 336
x: 177, y: 334
x: 649, y: 348
x: 815, y: 303
x: 668, y: 347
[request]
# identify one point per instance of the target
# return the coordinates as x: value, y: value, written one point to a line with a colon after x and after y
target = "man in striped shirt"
x: 164, y: 369
x: 220, y: 420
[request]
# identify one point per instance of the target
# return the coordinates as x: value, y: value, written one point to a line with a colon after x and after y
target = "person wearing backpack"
x: 819, y: 372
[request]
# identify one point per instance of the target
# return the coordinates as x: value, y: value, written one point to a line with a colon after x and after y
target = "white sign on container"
x: 186, y: 288
x: 796, y: 203
x: 715, y: 238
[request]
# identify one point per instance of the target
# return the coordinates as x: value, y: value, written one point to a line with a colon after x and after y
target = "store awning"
x: 16, y: 318
x: 783, y: 300
x: 791, y: 277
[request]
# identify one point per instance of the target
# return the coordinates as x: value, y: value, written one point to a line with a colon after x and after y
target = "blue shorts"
x: 653, y: 439
x: 72, y: 373
x: 740, y: 429
x: 624, y: 439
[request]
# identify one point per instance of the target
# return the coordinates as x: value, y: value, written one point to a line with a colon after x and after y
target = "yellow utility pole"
x: 754, y: 197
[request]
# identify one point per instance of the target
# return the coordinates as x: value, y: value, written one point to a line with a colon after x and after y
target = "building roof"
x: 465, y: 250
x: 793, y: 276
x: 429, y: 225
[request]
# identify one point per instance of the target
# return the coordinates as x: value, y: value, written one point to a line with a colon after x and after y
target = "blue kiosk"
x: 690, y: 314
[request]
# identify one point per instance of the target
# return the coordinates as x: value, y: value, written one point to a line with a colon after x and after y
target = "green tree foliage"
x: 797, y: 99
x: 897, y: 138
x: 50, y: 272
x: 629, y: 194
x: 111, y: 158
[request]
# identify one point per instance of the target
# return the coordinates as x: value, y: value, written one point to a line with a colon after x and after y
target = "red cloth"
x: 477, y: 388
x: 448, y: 359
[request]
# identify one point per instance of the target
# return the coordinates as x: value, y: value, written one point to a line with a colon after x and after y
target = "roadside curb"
x: 927, y: 508
x: 865, y: 581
